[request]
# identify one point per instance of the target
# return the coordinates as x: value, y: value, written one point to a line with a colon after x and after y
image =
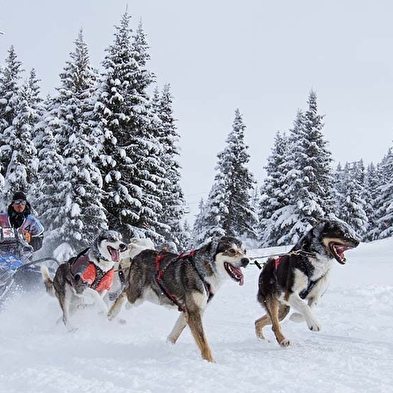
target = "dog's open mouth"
x: 234, y: 272
x: 338, y: 251
x: 114, y: 253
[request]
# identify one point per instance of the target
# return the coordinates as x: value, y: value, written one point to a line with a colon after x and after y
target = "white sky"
x: 261, y: 57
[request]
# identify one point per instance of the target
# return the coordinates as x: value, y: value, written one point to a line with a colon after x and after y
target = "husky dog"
x: 135, y: 246
x: 187, y: 282
x: 88, y: 274
x: 303, y: 273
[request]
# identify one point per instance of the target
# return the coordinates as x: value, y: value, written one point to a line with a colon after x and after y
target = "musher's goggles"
x: 19, y: 202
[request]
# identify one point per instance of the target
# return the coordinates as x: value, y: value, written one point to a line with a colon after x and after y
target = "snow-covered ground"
x: 353, y: 353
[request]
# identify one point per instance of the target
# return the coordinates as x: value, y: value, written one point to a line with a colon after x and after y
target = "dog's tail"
x: 47, y: 280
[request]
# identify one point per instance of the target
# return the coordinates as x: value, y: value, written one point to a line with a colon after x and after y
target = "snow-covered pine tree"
x: 384, y: 201
x: 50, y: 171
x: 198, y: 228
x: 171, y: 196
x: 371, y: 184
x: 273, y: 197
x: 35, y: 115
x: 10, y: 75
x: 22, y: 169
x: 229, y: 209
x: 352, y: 202
x: 311, y: 183
x: 79, y: 215
x: 208, y: 223
x: 282, y: 217
x: 130, y: 161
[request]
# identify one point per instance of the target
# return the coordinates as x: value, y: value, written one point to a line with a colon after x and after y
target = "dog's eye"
x: 231, y: 252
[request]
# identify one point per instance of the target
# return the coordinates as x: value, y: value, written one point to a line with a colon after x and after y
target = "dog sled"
x: 18, y: 272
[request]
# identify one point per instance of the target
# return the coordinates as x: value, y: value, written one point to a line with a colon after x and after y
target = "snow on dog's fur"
x: 303, y: 273
x: 88, y: 274
x: 187, y: 282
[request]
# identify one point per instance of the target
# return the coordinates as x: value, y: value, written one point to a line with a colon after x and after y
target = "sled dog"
x: 302, y: 274
x: 88, y: 274
x: 187, y: 282
x: 135, y: 246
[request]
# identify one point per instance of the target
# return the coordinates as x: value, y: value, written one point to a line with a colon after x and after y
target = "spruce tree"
x: 79, y: 215
x: 281, y: 217
x: 10, y: 76
x: 273, y: 197
x: 49, y: 201
x: 130, y: 157
x: 311, y: 183
x: 384, y: 211
x: 229, y: 209
x: 352, y: 206
x: 22, y: 168
x: 171, y: 194
x: 371, y: 185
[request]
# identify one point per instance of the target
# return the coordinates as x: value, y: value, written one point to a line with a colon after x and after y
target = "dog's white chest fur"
x: 103, y: 265
x: 319, y: 277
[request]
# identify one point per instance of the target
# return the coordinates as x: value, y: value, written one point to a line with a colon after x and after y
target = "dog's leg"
x: 97, y: 299
x: 296, y: 302
x: 180, y: 324
x: 276, y: 327
x: 47, y: 281
x: 194, y: 320
x: 277, y: 313
x: 297, y: 316
x: 260, y: 324
x: 117, y: 305
x: 66, y: 299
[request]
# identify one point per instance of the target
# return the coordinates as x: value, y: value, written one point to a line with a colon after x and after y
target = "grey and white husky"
x: 90, y: 274
x: 187, y: 282
x: 298, y: 279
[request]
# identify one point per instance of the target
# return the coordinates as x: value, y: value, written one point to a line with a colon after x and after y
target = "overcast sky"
x: 219, y: 55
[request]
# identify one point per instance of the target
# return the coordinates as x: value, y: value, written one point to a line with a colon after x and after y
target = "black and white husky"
x: 187, y: 282
x: 90, y: 273
x: 302, y: 274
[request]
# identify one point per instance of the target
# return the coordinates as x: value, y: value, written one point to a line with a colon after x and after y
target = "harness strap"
x: 311, y: 284
x: 277, y: 262
x: 160, y: 272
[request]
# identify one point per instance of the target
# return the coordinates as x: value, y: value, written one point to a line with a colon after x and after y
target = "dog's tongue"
x: 239, y: 275
x: 115, y: 254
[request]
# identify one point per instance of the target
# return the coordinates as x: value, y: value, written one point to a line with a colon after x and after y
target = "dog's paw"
x: 285, y: 343
x: 171, y: 340
x: 314, y: 326
x: 296, y: 317
x: 259, y: 334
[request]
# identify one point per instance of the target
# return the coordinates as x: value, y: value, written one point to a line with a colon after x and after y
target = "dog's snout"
x: 122, y: 247
x: 244, y: 262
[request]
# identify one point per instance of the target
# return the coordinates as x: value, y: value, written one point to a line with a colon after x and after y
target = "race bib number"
x: 7, y: 235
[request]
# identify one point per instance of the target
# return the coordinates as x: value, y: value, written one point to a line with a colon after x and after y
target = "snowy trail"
x: 352, y: 353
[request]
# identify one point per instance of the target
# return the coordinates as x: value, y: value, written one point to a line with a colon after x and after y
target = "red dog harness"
x: 277, y: 262
x: 91, y: 274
